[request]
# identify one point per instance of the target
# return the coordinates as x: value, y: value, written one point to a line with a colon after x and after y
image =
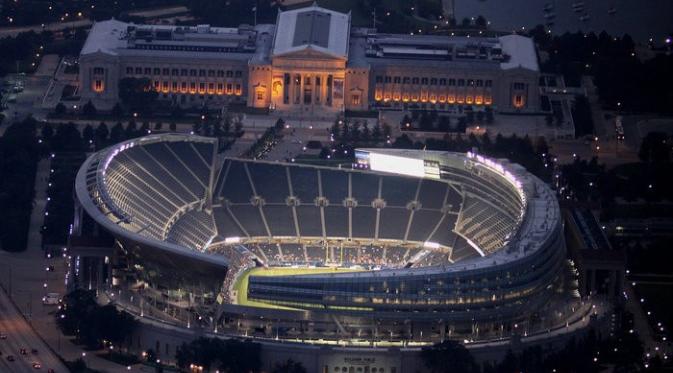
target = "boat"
x: 548, y: 7
x: 549, y: 16
x: 612, y: 11
x: 585, y: 17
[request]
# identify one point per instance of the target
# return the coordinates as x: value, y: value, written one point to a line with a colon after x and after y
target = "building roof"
x: 368, y: 48
x: 245, y: 43
x: 313, y: 28
x: 521, y: 51
x: 105, y: 37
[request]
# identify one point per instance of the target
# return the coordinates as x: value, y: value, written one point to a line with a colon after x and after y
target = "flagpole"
x: 254, y: 9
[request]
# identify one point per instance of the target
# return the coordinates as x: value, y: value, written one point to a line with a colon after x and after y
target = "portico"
x: 308, y: 63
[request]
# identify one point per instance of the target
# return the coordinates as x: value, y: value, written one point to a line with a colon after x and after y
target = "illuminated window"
x: 442, y: 99
x: 220, y: 88
x: 192, y: 87
x: 174, y: 87
x: 355, y: 99
x: 260, y: 95
x: 469, y: 99
x: 451, y: 99
x: 164, y: 87
x: 229, y: 88
x: 488, y: 100
x: 478, y: 100
x: 518, y: 101
x: 238, y: 89
x: 202, y: 87
x: 98, y: 85
x: 378, y: 95
x: 183, y: 87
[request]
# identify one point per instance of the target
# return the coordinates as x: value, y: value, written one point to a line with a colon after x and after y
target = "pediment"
x: 309, y: 52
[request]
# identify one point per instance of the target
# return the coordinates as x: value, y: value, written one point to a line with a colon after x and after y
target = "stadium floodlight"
x: 430, y: 245
x: 232, y: 240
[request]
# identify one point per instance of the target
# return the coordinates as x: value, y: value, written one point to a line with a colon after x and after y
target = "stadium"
x: 403, y: 247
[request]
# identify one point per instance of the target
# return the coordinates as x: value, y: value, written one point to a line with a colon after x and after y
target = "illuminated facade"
x: 311, y: 62
x: 428, y: 245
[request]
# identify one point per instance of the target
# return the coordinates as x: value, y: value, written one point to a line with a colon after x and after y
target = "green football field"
x: 241, y: 286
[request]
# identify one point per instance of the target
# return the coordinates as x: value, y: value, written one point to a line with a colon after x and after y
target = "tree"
x: 88, y: 135
x: 47, y: 132
x: 60, y: 109
x: 67, y: 138
x: 19, y: 154
x: 655, y: 148
x: 449, y: 356
x: 289, y: 366
x: 117, y: 133
x: 137, y: 93
x: 117, y: 111
x: 131, y: 130
x: 480, y: 21
x: 102, y: 134
x: 89, y: 110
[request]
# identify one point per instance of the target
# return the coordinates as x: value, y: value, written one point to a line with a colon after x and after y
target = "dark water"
x: 642, y: 19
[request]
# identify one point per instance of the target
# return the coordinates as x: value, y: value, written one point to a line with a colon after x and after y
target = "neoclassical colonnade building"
x: 313, y: 62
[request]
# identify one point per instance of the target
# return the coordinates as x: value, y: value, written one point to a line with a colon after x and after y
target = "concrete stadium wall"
x: 164, y: 340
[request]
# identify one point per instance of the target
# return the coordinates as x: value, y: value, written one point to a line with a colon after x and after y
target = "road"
x: 13, y: 31
x: 21, y: 335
